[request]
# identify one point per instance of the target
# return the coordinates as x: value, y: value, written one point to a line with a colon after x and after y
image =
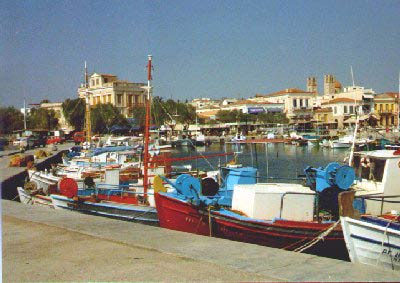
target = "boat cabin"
x: 378, y: 174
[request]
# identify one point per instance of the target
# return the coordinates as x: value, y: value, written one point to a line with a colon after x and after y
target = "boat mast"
x: 358, y: 114
x: 24, y: 115
x: 147, y: 129
x: 87, y: 113
x: 398, y: 108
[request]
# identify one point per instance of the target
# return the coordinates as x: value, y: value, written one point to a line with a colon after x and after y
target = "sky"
x: 200, y: 48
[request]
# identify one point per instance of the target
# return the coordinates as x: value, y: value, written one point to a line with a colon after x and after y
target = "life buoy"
x: 365, y: 162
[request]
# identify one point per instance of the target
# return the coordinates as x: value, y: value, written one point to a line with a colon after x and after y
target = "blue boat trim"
x: 374, y: 241
x: 381, y: 222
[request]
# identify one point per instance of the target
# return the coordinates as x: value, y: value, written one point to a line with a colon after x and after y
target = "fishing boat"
x: 271, y: 214
x: 371, y: 223
x: 33, y: 197
x: 239, y: 137
x: 373, y: 240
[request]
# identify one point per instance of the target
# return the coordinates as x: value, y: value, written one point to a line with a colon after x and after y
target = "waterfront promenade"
x: 42, y: 244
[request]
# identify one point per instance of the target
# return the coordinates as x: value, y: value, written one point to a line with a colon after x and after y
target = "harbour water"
x: 274, y: 161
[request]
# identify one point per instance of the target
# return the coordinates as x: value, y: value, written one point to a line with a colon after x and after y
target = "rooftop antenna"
x: 352, y: 75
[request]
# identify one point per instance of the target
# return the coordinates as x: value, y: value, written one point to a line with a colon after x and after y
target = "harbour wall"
x: 13, y: 177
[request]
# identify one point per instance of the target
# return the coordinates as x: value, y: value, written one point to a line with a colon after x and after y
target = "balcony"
x: 386, y: 112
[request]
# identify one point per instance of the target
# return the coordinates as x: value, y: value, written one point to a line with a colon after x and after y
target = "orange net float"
x: 68, y: 187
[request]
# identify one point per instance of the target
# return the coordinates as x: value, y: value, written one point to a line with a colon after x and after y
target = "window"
x: 294, y: 102
x: 105, y: 80
x: 301, y: 102
x: 345, y: 109
x: 306, y: 103
x: 119, y: 99
x: 92, y: 81
x: 351, y: 109
x: 97, y: 81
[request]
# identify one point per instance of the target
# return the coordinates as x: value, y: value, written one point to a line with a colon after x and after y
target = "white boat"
x: 379, y: 188
x: 373, y: 241
x: 343, y: 142
x: 131, y: 212
x: 374, y: 238
x: 26, y: 197
x: 238, y: 138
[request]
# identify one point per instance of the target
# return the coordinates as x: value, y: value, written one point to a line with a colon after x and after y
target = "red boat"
x: 204, y: 216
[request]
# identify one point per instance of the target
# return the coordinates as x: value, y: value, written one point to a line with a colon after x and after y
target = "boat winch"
x: 333, y: 175
x: 207, y: 192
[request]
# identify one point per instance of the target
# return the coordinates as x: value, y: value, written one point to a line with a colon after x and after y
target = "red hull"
x: 289, y: 235
x: 181, y: 216
x: 119, y: 199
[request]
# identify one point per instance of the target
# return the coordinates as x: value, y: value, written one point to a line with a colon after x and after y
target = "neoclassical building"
x: 297, y: 103
x: 106, y: 88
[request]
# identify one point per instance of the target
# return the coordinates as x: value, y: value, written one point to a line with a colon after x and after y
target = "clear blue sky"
x: 201, y: 48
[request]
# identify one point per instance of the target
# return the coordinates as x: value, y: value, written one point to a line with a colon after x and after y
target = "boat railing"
x: 290, y: 193
x: 381, y: 199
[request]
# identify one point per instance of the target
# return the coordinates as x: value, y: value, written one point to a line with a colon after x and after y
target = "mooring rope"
x: 317, y: 239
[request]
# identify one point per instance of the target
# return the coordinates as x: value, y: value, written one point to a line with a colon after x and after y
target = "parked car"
x: 79, y: 137
x: 26, y: 143
x: 55, y: 140
x: 39, y: 141
x: 3, y: 143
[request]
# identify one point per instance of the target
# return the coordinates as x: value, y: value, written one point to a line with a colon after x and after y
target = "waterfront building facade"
x: 342, y: 109
x: 387, y: 109
x: 359, y: 93
x: 106, y: 88
x: 253, y: 107
x: 204, y: 103
x: 298, y: 104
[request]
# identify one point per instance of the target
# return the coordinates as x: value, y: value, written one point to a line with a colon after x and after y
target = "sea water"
x: 275, y: 162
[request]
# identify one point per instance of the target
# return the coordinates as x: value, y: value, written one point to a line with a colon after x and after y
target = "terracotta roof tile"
x: 387, y: 95
x: 285, y: 91
x: 339, y: 100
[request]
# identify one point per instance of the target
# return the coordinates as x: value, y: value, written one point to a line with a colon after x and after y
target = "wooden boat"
x: 371, y: 222
x: 118, y: 210
x: 373, y: 241
x: 257, y: 213
x: 31, y: 198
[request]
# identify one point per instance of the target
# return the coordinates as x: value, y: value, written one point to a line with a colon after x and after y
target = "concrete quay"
x: 42, y: 244
x: 12, y: 177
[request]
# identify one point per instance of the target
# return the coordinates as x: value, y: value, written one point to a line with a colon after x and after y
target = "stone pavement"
x: 42, y: 244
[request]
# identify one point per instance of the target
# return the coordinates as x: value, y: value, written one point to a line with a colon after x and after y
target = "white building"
x: 105, y: 88
x: 365, y: 95
x: 342, y: 109
x: 298, y: 104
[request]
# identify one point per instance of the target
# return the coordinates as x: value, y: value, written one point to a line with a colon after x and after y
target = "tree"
x: 11, y: 119
x: 74, y: 112
x: 225, y: 116
x: 104, y: 116
x: 272, y: 118
x: 41, y: 118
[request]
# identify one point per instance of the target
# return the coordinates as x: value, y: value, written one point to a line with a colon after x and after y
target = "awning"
x: 368, y: 96
x: 255, y: 110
